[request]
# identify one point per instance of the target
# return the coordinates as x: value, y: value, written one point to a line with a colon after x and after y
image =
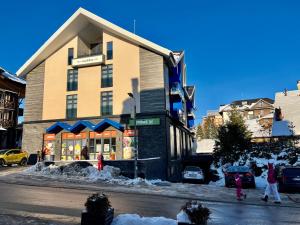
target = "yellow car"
x: 13, y: 156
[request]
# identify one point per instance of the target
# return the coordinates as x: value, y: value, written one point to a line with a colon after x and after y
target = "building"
x: 287, y: 113
x: 249, y: 108
x: 77, y: 95
x: 12, y: 89
x: 214, y: 116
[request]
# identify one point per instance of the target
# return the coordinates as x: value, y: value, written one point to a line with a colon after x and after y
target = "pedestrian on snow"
x: 272, y: 185
x: 100, y: 161
x: 44, y: 150
x: 238, y: 184
x: 84, y: 153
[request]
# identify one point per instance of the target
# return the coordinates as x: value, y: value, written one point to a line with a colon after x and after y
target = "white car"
x: 193, y: 173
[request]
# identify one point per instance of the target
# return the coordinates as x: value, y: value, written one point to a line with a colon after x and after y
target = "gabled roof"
x: 107, y: 123
x: 261, y: 101
x: 11, y: 77
x: 251, y: 101
x: 58, y: 127
x: 81, y: 125
x: 74, y: 25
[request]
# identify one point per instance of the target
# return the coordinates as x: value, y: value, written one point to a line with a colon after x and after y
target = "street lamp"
x: 135, y: 137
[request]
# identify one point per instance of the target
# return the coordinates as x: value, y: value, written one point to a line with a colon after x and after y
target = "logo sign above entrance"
x: 145, y: 122
x: 88, y: 61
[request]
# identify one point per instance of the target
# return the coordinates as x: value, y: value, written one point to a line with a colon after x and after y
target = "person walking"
x: 100, y: 161
x: 272, y: 185
x: 238, y: 184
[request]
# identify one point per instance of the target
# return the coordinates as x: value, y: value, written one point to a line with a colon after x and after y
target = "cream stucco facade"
x: 126, y: 75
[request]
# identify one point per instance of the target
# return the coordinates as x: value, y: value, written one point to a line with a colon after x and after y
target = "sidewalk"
x: 6, y: 219
x: 174, y: 190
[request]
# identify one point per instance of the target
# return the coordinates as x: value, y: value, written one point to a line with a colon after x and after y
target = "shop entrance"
x: 104, y: 142
x: 72, y: 145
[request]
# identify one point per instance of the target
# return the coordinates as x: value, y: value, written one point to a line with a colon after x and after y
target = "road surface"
x: 65, y: 205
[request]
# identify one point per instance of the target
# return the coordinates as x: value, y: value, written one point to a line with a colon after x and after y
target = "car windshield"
x: 238, y: 169
x: 3, y: 151
x: 192, y: 168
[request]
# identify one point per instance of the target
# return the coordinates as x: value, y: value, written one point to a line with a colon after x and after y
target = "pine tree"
x: 233, y: 140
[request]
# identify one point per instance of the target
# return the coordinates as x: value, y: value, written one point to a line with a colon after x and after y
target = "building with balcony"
x: 12, y: 89
x: 77, y: 95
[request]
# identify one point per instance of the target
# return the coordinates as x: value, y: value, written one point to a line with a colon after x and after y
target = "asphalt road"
x: 65, y: 205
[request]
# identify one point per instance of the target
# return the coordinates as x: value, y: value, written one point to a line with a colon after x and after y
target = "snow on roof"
x: 268, y: 116
x: 74, y: 25
x: 11, y: 76
x: 256, y: 129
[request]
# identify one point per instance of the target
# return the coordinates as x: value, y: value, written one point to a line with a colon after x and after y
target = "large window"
x: 106, y: 103
x: 71, y: 106
x: 70, y: 55
x: 109, y: 50
x: 72, y: 82
x: 107, y: 76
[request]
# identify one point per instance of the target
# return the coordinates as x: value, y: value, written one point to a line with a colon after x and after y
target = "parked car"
x: 193, y: 174
x: 289, y: 179
x: 13, y: 156
x: 245, y: 173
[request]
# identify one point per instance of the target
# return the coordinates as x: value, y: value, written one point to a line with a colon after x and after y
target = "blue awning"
x: 81, y: 125
x: 107, y: 123
x: 58, y: 127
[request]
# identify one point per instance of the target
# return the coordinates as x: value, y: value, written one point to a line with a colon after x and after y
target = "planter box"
x: 89, y: 219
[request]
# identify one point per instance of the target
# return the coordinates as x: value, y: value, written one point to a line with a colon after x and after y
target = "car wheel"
x: 23, y: 162
x: 281, y: 188
x: 2, y: 162
x: 9, y: 165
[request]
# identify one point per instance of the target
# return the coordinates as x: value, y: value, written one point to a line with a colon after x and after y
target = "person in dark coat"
x: 84, y: 153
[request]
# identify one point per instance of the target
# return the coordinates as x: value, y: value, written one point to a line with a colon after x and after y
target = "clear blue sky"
x: 234, y: 49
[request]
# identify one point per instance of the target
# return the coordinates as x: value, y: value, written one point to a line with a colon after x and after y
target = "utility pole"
x: 135, y: 137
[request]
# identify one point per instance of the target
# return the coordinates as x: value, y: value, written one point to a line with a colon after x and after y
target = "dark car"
x: 245, y: 173
x: 289, y: 179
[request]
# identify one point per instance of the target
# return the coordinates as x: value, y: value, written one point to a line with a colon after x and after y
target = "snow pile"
x: 75, y: 172
x: 134, y: 219
x: 262, y: 163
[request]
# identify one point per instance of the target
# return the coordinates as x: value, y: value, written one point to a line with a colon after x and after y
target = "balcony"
x: 7, y: 123
x: 7, y: 104
x: 176, y: 91
x: 90, y: 60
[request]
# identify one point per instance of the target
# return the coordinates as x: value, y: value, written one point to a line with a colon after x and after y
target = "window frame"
x: 71, y: 112
x: 70, y: 55
x: 72, y: 86
x: 109, y: 50
x: 106, y: 109
x: 107, y: 76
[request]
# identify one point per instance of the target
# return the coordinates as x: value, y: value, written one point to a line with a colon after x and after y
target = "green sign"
x: 145, y: 122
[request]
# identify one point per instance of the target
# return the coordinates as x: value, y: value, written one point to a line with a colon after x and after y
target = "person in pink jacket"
x: 272, y: 185
x: 238, y: 184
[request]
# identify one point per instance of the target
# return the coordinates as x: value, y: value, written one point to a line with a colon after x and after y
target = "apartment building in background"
x: 12, y: 89
x: 82, y: 86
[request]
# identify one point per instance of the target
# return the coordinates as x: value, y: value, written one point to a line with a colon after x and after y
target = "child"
x: 238, y: 184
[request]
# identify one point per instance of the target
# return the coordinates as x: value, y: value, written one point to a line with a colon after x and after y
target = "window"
x: 109, y: 50
x: 71, y: 106
x: 107, y: 76
x: 106, y: 103
x: 72, y: 82
x: 70, y: 55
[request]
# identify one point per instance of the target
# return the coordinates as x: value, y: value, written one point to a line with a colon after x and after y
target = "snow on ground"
x: 134, y: 219
x: 261, y: 181
x: 109, y: 174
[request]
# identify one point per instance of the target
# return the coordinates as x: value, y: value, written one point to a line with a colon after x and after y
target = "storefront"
x: 72, y: 145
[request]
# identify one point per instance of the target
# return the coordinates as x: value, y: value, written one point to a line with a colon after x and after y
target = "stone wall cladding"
x: 152, y: 87
x: 34, y: 94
